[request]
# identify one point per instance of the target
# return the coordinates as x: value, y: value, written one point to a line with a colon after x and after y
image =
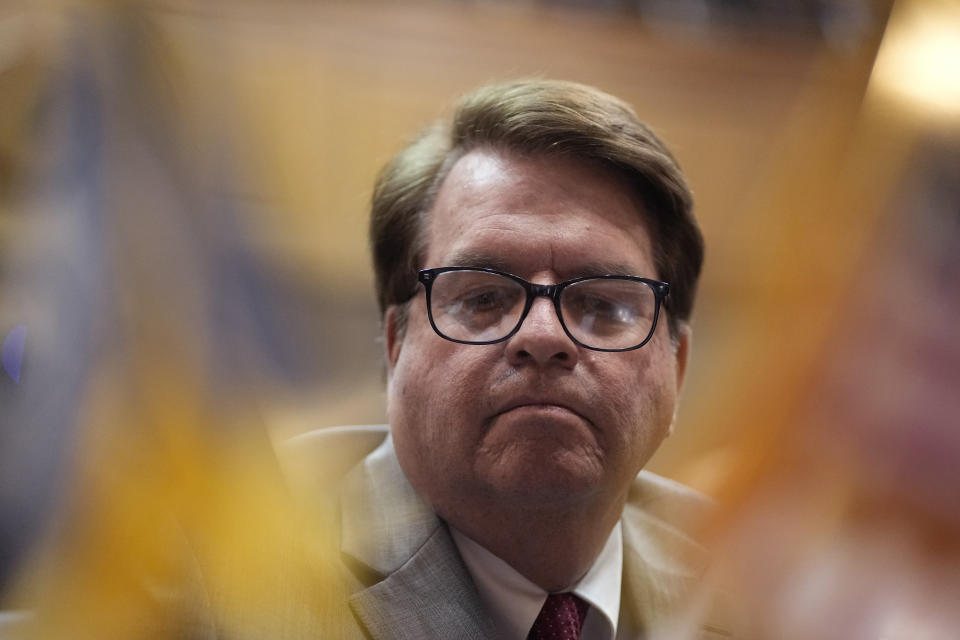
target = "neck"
x: 552, y: 547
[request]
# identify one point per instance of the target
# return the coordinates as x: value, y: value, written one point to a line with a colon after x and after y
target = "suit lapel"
x: 420, y: 586
x: 431, y: 596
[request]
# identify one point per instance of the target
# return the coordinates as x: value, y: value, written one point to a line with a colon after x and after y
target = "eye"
x: 601, y: 308
x: 485, y: 300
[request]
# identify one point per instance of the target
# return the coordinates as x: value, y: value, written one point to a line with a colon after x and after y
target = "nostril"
x: 560, y: 355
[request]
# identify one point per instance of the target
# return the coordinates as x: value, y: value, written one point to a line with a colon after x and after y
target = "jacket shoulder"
x: 669, y: 517
x: 669, y: 572
x: 668, y: 500
x: 320, y: 459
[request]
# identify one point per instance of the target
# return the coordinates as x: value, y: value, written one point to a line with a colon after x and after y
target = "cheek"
x: 643, y: 395
x: 406, y: 400
x: 435, y: 413
x: 432, y: 394
x: 407, y: 414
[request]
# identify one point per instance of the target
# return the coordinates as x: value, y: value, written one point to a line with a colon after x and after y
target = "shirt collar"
x: 514, y: 602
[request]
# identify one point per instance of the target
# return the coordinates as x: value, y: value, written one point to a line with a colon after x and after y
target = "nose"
x: 541, y: 339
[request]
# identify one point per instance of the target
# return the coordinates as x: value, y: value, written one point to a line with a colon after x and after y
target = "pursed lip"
x: 541, y: 401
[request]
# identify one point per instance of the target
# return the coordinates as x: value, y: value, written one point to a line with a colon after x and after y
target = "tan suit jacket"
x: 409, y: 582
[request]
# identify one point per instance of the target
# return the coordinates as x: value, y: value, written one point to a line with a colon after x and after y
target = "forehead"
x: 533, y: 214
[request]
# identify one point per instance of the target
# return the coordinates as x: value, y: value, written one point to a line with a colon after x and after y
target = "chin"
x: 540, y: 478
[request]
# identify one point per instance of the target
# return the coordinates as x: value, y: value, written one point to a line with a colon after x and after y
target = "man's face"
x: 535, y: 420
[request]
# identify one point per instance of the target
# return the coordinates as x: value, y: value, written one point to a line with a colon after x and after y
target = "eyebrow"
x: 606, y: 268
x: 481, y: 260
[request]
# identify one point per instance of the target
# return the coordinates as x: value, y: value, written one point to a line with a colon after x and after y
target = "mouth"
x: 548, y: 422
x: 540, y: 407
x: 537, y: 406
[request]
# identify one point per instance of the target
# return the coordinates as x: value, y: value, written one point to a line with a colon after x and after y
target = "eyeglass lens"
x: 476, y: 306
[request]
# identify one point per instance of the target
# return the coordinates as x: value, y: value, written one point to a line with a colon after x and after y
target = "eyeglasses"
x: 482, y: 306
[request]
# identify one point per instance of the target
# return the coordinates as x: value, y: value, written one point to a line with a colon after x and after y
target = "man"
x: 536, y: 259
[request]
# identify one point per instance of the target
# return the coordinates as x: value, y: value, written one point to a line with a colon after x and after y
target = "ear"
x: 681, y: 353
x: 684, y: 338
x: 393, y: 330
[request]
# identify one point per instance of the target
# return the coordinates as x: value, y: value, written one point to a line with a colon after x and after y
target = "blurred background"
x: 184, y: 266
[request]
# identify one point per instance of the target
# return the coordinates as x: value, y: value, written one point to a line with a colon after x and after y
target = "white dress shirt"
x: 514, y: 602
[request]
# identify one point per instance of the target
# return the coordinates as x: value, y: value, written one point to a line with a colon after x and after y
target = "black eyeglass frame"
x: 553, y: 291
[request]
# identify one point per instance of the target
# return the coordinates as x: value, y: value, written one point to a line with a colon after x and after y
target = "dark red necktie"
x: 561, y: 618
